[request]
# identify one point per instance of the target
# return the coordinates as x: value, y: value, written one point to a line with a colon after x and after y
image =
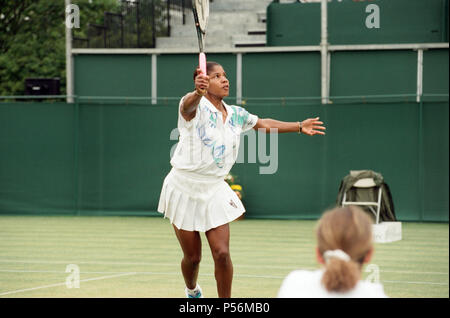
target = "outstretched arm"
x: 310, y: 126
x: 191, y: 100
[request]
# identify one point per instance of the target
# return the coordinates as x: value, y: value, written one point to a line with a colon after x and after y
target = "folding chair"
x: 366, y: 183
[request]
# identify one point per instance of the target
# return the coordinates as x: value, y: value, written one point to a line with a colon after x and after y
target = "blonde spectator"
x: 344, y: 244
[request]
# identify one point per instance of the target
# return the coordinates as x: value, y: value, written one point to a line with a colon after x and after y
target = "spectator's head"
x: 344, y: 244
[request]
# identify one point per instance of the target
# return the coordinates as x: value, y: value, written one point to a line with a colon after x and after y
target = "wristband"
x: 300, y: 128
x: 199, y: 92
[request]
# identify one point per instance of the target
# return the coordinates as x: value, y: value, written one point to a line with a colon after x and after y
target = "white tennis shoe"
x: 194, y: 293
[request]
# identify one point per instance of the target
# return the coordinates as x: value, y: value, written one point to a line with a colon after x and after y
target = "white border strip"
x: 371, y: 47
x: 195, y: 50
x: 312, y: 48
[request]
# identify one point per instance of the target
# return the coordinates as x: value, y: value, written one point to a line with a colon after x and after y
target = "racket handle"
x: 202, y: 62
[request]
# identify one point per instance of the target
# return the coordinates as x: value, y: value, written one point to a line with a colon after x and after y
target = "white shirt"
x: 208, y: 145
x: 307, y: 284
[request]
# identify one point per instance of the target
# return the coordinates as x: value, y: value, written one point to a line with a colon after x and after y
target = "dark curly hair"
x: 209, y: 66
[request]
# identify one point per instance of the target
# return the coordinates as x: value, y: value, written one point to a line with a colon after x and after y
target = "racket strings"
x: 200, y: 9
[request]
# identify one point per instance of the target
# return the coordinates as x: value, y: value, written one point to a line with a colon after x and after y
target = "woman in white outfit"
x: 344, y: 244
x: 194, y: 195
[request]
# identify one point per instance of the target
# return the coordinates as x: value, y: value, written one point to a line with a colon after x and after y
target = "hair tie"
x: 339, y: 254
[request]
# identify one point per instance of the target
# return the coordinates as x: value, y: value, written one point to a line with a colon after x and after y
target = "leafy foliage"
x: 32, y: 39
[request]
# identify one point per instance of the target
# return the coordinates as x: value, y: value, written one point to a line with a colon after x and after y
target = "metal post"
x: 328, y: 76
x: 182, y: 11
x: 324, y: 51
x: 69, y: 61
x: 239, y: 78
x: 168, y: 17
x: 154, y: 79
x: 76, y: 147
x: 444, y: 22
x: 104, y: 36
x: 121, y: 30
x: 153, y: 25
x: 137, y: 26
x: 419, y: 75
x: 421, y: 162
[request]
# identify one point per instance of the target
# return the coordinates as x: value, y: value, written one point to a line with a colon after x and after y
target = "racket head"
x: 201, y: 8
x: 202, y: 62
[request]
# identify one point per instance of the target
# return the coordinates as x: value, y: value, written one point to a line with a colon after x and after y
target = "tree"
x: 32, y: 39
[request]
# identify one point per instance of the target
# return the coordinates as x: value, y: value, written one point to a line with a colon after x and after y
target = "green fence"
x: 111, y: 158
x: 265, y: 75
x: 397, y: 21
x: 108, y: 153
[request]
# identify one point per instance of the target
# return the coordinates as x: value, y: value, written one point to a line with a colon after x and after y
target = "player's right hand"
x: 201, y: 81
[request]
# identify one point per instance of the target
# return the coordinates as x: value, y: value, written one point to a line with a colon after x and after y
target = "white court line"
x: 293, y: 267
x: 83, y: 262
x: 421, y: 283
x: 136, y: 273
x: 62, y: 284
x: 118, y: 274
x: 137, y: 263
x: 411, y: 272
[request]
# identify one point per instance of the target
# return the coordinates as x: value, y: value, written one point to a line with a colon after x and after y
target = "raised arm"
x: 310, y: 126
x: 191, y: 100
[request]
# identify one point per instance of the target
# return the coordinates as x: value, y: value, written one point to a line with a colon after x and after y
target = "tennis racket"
x: 200, y: 8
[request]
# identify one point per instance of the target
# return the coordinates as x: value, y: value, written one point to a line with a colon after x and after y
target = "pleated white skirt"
x: 194, y: 202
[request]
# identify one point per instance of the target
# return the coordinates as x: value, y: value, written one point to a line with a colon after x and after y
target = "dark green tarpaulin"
x: 356, y: 194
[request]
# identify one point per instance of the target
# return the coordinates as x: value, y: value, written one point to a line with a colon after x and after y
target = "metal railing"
x: 246, y: 100
x: 135, y: 25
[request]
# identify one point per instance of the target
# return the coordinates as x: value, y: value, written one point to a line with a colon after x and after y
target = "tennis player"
x: 194, y: 195
x: 344, y: 244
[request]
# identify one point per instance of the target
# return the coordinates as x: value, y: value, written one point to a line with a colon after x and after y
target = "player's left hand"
x: 312, y: 126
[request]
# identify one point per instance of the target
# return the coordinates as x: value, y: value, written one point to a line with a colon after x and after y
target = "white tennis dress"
x: 194, y: 195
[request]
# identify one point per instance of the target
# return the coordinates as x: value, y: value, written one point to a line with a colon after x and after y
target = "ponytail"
x: 344, y: 237
x: 340, y: 276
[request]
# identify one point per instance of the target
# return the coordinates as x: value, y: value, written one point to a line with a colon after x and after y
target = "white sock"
x: 192, y: 292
